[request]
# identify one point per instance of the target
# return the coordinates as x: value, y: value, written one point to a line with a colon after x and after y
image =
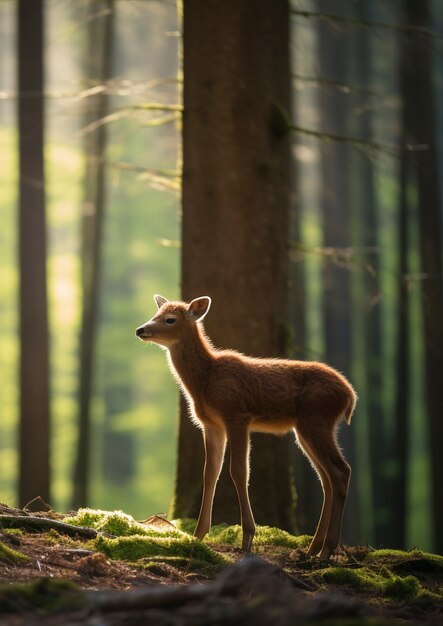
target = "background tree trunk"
x: 402, y: 398
x: 306, y: 480
x: 98, y: 66
x: 236, y: 185
x: 34, y: 479
x: 309, y: 495
x: 337, y: 233
x: 418, y: 65
x: 364, y: 198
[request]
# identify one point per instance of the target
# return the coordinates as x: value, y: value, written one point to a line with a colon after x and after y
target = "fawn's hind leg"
x: 323, y: 524
x: 325, y: 454
x: 239, y: 468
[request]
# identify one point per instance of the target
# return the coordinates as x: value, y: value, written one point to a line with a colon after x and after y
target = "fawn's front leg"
x: 239, y: 468
x: 215, y: 443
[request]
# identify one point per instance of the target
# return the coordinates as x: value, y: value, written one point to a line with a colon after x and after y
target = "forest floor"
x: 95, y: 567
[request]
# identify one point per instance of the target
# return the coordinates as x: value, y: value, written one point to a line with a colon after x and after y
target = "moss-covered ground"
x: 382, y: 586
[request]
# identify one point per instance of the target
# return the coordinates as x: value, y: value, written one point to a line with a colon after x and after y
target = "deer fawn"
x: 231, y: 395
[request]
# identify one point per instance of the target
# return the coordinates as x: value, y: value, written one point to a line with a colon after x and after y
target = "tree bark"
x: 418, y: 68
x: 236, y: 184
x: 34, y: 479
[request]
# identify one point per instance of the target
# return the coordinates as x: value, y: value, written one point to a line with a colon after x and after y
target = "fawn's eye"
x: 170, y: 320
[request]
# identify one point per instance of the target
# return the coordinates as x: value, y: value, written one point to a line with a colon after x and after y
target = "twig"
x: 31, y: 521
x: 356, y: 142
x: 128, y: 112
x: 351, y: 21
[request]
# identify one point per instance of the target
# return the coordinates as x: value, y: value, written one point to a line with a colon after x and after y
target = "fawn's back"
x: 273, y: 393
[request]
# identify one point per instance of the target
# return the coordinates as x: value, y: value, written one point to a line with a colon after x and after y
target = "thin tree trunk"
x: 34, y: 479
x: 309, y: 496
x: 98, y: 68
x: 236, y: 184
x: 337, y: 234
x: 423, y: 131
x: 380, y: 446
x: 402, y: 400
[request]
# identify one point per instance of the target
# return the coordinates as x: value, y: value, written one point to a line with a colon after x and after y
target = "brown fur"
x: 231, y: 395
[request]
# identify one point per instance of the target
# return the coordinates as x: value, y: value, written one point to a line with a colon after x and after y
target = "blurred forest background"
x: 92, y: 224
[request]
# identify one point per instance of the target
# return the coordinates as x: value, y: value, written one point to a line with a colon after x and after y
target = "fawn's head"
x: 172, y: 320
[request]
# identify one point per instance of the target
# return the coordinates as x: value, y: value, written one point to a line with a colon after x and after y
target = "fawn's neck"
x: 191, y: 358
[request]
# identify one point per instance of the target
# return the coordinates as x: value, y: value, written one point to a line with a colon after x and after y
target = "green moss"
x: 402, y: 588
x: 18, y: 532
x: 8, y: 554
x: 158, y: 568
x: 116, y: 523
x: 133, y: 541
x: 264, y: 536
x: 122, y: 525
x: 48, y: 594
x: 87, y: 518
x: 384, y: 582
x: 341, y: 576
x: 186, y: 524
x: 141, y: 546
x: 400, y: 560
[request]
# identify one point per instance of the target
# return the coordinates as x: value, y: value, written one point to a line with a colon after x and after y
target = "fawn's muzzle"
x: 142, y: 333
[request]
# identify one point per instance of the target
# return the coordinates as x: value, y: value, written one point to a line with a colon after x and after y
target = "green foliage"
x: 401, y: 560
x: 43, y: 594
x: 264, y: 536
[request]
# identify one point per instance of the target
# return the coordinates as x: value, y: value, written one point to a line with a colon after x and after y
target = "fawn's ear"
x: 159, y: 301
x: 199, y: 307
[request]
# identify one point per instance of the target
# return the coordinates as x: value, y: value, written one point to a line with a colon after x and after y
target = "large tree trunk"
x: 98, y: 67
x: 34, y: 477
x: 418, y: 68
x: 236, y: 184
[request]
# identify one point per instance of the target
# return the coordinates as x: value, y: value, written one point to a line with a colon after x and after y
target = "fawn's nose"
x: 139, y: 331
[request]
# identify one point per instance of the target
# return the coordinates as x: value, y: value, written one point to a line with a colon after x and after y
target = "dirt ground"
x: 276, y: 587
